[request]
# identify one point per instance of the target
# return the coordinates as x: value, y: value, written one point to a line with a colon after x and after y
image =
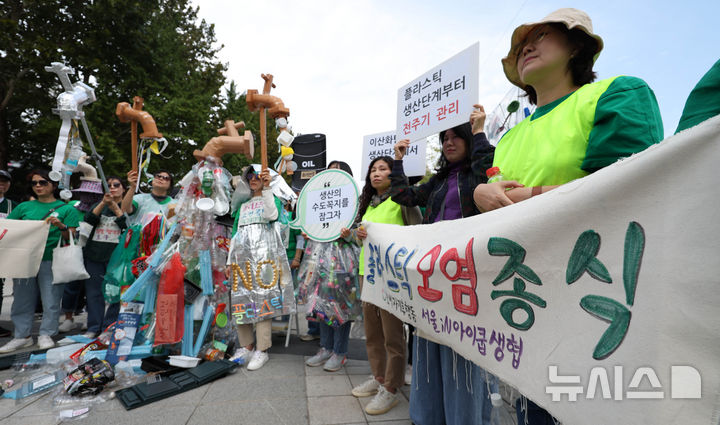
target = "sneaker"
x: 16, y: 344
x: 45, y: 342
x: 319, y: 358
x: 309, y: 337
x: 258, y: 359
x: 408, y: 375
x: 4, y: 333
x: 90, y: 335
x: 383, y: 401
x: 367, y: 388
x: 335, y: 363
x: 66, y: 326
x: 241, y: 355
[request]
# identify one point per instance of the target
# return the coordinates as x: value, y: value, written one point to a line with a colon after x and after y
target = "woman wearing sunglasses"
x: 63, y: 219
x: 108, y: 222
x: 156, y: 202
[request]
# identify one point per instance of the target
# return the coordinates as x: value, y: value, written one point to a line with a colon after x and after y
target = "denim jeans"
x: 93, y: 293
x: 448, y: 389
x: 25, y: 292
x: 335, y: 339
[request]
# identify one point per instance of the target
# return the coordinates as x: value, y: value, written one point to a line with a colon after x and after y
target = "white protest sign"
x: 439, y: 99
x: 22, y: 244
x: 327, y: 203
x: 598, y: 300
x: 381, y: 144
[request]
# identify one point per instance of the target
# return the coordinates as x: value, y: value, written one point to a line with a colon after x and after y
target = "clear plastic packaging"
x: 328, y: 282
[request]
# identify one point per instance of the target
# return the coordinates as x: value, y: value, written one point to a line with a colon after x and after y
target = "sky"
x: 338, y: 65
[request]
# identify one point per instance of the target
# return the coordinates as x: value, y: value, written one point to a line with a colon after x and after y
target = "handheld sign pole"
x: 265, y: 103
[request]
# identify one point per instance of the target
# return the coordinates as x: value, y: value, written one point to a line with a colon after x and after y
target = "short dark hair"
x: 162, y: 170
x: 581, y: 63
x: 122, y: 182
x: 343, y: 166
x: 45, y: 174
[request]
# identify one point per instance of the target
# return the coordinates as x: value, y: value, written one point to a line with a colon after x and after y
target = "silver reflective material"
x: 259, y: 261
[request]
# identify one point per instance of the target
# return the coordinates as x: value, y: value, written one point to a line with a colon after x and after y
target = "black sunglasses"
x: 162, y: 177
x: 39, y: 182
x: 113, y: 185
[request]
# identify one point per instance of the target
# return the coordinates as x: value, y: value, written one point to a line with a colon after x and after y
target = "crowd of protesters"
x: 578, y: 127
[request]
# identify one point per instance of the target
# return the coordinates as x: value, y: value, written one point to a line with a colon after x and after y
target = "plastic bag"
x: 119, y: 269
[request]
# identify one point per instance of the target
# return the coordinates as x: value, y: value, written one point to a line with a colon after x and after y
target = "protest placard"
x: 597, y: 300
x: 22, y: 244
x: 327, y: 203
x: 381, y: 144
x: 440, y: 98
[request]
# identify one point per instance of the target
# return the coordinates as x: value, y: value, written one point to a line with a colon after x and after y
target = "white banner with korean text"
x: 381, y: 144
x: 599, y: 300
x: 22, y: 244
x: 440, y: 98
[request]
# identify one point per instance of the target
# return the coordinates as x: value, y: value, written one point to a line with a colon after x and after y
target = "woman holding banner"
x: 385, y: 341
x: 451, y: 393
x: 579, y: 125
x: 63, y: 219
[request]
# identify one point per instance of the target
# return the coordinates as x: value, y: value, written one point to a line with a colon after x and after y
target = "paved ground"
x: 284, y: 391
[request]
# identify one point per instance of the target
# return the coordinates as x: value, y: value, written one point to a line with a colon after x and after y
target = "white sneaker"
x: 335, y: 363
x: 319, y: 358
x: 241, y: 355
x: 259, y: 358
x: 383, y: 401
x: 408, y: 375
x: 16, y: 344
x: 45, y: 342
x: 367, y: 388
x: 66, y: 326
x: 90, y: 335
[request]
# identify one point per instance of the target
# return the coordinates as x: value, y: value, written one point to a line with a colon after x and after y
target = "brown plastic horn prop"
x: 263, y: 102
x: 134, y: 114
x: 229, y: 141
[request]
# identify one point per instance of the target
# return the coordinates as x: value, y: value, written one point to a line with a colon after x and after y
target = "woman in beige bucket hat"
x: 579, y: 125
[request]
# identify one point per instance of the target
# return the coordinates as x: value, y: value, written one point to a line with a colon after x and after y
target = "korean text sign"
x: 22, y: 244
x: 381, y: 144
x: 327, y: 203
x: 440, y: 98
x: 587, y: 299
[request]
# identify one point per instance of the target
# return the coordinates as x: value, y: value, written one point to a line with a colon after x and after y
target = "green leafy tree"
x: 155, y: 49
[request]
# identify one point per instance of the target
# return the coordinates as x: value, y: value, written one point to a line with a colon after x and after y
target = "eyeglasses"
x: 39, y: 182
x: 252, y: 176
x: 162, y: 177
x: 114, y: 185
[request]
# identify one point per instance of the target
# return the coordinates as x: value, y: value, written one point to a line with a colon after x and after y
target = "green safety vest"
x: 387, y: 212
x: 550, y: 150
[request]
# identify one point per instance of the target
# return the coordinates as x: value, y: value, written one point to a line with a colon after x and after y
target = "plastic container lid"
x: 492, y: 171
x: 184, y: 361
x: 205, y: 204
x: 495, y: 398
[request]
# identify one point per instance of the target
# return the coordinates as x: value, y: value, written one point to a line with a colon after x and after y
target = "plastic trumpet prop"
x: 266, y: 103
x: 68, y: 149
x: 134, y: 115
x: 228, y: 141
